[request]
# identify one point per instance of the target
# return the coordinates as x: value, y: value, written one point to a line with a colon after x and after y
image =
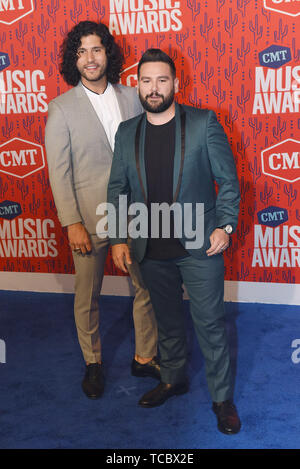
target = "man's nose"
x: 153, y: 86
x: 90, y: 55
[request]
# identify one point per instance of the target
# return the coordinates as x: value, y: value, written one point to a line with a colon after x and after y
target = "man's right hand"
x: 121, y: 256
x: 79, y: 239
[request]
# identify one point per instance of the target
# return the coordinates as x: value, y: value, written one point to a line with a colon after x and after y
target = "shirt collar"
x: 106, y: 91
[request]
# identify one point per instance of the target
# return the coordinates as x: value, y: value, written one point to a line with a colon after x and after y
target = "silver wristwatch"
x: 227, y: 228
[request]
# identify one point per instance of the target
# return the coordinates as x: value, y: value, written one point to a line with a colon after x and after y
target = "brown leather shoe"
x: 228, y: 419
x: 161, y: 393
x: 151, y: 369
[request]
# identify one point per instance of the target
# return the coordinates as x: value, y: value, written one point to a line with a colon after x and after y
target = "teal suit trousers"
x: 204, y: 282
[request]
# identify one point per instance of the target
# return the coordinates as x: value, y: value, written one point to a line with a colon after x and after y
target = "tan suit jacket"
x: 79, y: 154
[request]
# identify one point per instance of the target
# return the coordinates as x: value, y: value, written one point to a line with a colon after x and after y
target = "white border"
x: 280, y: 11
x: 31, y: 143
x: 129, y: 68
x: 243, y: 292
x: 20, y: 17
x: 263, y: 162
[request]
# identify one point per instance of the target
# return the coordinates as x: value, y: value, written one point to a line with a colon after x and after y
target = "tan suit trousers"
x: 89, y: 272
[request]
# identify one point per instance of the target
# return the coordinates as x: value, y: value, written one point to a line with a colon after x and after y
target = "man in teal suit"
x: 172, y: 156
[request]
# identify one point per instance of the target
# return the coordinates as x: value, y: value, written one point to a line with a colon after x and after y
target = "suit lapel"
x: 123, y: 106
x: 140, y: 154
x: 180, y: 122
x: 179, y: 149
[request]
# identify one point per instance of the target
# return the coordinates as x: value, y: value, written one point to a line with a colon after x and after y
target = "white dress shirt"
x: 107, y: 109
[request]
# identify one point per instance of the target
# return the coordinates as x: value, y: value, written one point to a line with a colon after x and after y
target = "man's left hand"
x: 121, y: 256
x: 219, y: 241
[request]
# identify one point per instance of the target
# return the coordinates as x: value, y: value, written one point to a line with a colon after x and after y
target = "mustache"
x: 154, y: 95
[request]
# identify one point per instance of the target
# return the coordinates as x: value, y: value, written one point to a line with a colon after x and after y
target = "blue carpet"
x: 42, y: 405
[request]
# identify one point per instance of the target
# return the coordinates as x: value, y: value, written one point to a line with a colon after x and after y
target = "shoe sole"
x: 144, y: 375
x: 226, y: 432
x: 178, y: 393
x: 92, y: 396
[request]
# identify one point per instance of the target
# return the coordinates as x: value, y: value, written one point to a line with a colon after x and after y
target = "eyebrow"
x: 160, y: 76
x: 90, y: 48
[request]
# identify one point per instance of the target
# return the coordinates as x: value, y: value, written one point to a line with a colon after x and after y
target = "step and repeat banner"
x: 237, y: 57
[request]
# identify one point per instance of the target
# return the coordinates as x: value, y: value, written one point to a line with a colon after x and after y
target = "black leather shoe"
x: 93, y: 381
x: 228, y: 419
x: 161, y: 393
x: 151, y: 369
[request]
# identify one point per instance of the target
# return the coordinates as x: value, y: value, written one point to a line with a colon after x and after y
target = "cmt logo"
x: 287, y: 7
x: 282, y: 161
x: 13, y: 10
x: 21, y: 158
x: 4, y: 61
x: 272, y: 216
x: 10, y: 210
x: 275, y: 56
x: 129, y: 76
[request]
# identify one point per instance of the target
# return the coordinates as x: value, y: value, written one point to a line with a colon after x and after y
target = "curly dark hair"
x: 71, y: 43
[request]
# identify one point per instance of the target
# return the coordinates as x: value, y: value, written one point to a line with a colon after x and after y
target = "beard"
x: 95, y: 78
x: 101, y: 72
x: 160, y: 107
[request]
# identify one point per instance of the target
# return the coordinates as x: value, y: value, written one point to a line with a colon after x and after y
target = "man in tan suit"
x: 79, y: 142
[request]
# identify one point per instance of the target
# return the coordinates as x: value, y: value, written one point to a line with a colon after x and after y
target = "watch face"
x: 228, y: 229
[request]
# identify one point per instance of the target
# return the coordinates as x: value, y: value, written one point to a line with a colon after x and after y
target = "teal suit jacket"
x: 202, y: 157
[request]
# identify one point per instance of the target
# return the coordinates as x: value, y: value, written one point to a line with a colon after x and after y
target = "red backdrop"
x: 238, y: 57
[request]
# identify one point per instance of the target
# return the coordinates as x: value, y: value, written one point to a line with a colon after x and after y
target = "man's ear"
x: 176, y: 85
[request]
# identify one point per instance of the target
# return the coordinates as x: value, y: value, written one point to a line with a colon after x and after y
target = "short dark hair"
x: 71, y: 43
x: 156, y: 55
